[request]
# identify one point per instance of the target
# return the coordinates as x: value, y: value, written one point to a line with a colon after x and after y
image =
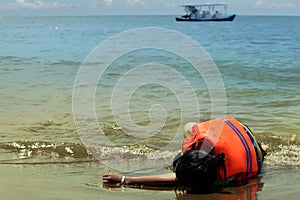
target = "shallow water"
x: 41, y: 152
x: 81, y: 181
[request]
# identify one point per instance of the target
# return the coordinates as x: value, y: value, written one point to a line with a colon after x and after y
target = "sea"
x: 85, y: 95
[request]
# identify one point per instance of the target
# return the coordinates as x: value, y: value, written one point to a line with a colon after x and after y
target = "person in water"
x: 216, y: 152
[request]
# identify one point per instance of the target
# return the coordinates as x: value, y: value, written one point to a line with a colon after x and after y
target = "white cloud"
x: 135, y: 3
x: 107, y: 2
x: 36, y: 5
x: 268, y: 4
x: 25, y: 4
x: 101, y: 4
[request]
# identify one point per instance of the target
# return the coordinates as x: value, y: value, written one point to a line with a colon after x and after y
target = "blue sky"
x: 113, y: 7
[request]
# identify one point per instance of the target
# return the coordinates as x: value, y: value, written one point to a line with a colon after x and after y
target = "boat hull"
x: 228, y: 18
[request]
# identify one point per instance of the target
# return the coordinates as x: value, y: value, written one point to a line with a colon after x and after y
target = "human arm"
x: 152, y: 180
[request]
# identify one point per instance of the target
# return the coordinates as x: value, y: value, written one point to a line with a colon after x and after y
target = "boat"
x: 205, y: 13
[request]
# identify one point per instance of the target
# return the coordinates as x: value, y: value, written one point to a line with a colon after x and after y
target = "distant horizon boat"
x: 205, y: 12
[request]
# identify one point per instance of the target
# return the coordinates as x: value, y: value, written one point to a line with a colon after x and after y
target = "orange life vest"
x: 229, y: 137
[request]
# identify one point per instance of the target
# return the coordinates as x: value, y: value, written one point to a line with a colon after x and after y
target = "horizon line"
x: 94, y: 15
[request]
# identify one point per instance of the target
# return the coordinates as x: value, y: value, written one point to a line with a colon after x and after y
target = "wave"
x: 17, y: 60
x: 27, y: 149
x: 284, y: 151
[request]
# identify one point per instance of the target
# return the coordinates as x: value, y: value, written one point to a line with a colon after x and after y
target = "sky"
x: 140, y: 7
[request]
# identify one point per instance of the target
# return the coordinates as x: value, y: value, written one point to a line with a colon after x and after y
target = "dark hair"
x: 197, y: 170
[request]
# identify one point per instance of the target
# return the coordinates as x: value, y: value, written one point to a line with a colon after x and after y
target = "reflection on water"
x: 245, y: 192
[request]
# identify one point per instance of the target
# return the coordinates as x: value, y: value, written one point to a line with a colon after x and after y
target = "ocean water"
x: 257, y: 58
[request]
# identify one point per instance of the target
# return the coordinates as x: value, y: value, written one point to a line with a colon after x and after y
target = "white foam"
x: 287, y: 155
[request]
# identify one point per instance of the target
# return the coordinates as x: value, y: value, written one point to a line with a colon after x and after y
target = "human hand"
x: 112, y: 178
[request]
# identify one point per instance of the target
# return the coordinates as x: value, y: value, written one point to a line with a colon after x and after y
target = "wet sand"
x: 83, y: 181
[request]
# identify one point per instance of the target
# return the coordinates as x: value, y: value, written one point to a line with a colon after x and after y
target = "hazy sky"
x: 113, y: 7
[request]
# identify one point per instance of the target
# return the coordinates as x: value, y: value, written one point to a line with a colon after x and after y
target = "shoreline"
x: 83, y: 181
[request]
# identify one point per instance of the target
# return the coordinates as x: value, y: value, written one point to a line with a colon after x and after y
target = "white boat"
x: 206, y: 12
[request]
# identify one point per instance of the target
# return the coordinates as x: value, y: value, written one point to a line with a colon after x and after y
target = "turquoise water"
x: 257, y: 57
